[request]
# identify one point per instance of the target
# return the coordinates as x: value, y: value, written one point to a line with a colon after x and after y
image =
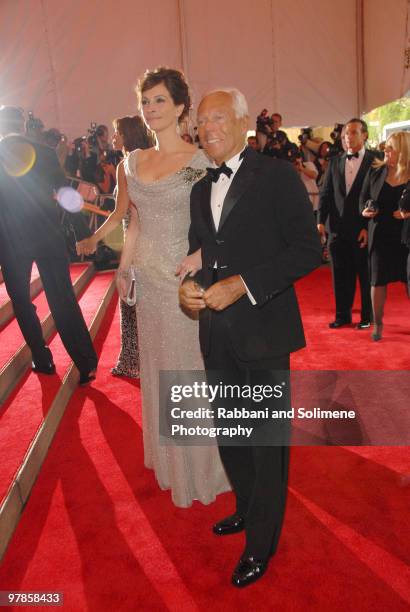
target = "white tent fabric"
x: 316, y: 62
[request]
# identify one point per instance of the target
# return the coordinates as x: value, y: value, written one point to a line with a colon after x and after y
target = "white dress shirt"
x: 218, y: 194
x: 220, y: 188
x: 352, y: 168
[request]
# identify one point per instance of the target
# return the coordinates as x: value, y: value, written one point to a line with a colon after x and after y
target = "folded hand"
x: 224, y: 293
x: 191, y: 296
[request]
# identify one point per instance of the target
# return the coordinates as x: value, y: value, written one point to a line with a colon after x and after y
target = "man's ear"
x: 245, y: 124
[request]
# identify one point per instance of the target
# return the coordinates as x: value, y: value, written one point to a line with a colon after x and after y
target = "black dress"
x: 387, y: 253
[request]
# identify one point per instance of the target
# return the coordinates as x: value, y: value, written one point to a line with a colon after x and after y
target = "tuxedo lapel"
x: 364, y: 166
x: 241, y: 182
x: 206, y: 204
x: 342, y: 179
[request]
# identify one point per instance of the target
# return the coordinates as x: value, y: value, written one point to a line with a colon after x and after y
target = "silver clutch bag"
x: 131, y: 298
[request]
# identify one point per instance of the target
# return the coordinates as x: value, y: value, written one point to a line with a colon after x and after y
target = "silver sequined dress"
x: 168, y: 339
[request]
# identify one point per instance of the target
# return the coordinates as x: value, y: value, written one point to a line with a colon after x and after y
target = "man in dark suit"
x: 339, y: 205
x: 252, y: 219
x: 30, y: 232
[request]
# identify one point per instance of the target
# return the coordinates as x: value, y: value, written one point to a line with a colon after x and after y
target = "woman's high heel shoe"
x: 377, y: 332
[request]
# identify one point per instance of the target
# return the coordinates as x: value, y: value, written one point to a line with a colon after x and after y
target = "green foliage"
x: 399, y: 110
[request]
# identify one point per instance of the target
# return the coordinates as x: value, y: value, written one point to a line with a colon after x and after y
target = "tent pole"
x: 182, y: 38
x: 360, y: 71
x: 274, y: 58
x: 52, y: 72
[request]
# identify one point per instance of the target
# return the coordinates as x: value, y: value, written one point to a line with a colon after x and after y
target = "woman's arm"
x: 365, y: 196
x: 308, y: 168
x: 189, y: 265
x: 127, y: 254
x: 122, y: 202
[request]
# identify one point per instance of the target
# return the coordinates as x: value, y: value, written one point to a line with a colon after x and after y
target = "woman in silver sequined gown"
x: 168, y: 338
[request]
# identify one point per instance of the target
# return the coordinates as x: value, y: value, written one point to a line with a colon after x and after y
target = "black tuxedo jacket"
x: 29, y: 219
x: 267, y: 235
x: 340, y: 209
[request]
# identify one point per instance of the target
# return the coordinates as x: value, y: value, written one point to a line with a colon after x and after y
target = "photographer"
x: 96, y: 163
x: 309, y: 145
x: 57, y: 141
x: 275, y: 125
x: 263, y: 129
x: 337, y: 136
x: 30, y: 232
x: 308, y: 173
x: 322, y: 160
x: 277, y: 146
x: 34, y: 128
x: 93, y: 158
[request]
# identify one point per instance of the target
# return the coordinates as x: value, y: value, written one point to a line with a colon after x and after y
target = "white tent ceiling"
x: 316, y: 62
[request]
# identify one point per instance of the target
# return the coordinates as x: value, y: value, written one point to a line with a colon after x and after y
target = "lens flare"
x: 70, y: 199
x: 18, y: 157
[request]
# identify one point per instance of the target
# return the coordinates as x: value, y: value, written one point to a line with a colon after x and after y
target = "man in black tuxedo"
x: 339, y: 204
x: 252, y: 219
x: 30, y: 232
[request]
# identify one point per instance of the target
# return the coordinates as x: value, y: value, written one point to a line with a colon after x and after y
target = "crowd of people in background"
x: 94, y: 158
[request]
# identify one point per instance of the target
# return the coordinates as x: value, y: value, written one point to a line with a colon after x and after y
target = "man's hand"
x: 398, y: 215
x: 404, y: 214
x: 362, y: 238
x: 224, y: 293
x: 367, y: 212
x: 191, y: 296
x: 322, y: 231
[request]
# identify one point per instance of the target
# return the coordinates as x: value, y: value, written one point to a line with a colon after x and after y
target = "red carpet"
x: 23, y: 411
x: 11, y: 336
x: 3, y: 293
x: 98, y: 528
x: 349, y: 348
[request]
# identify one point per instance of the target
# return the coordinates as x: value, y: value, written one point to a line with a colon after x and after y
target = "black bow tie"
x: 215, y: 173
x: 350, y: 155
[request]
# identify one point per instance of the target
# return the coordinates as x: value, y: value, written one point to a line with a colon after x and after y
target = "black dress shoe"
x: 363, y: 324
x: 43, y: 368
x: 339, y: 323
x: 228, y: 525
x: 249, y: 570
x: 87, y: 377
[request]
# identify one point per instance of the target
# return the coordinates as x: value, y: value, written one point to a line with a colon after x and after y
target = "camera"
x: 336, y: 136
x: 33, y: 123
x: 78, y: 144
x: 371, y: 205
x: 112, y: 157
x: 293, y: 153
x: 305, y: 135
x: 92, y: 136
x: 336, y: 133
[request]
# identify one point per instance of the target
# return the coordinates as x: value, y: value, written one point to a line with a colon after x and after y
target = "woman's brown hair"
x: 133, y: 131
x: 174, y: 81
